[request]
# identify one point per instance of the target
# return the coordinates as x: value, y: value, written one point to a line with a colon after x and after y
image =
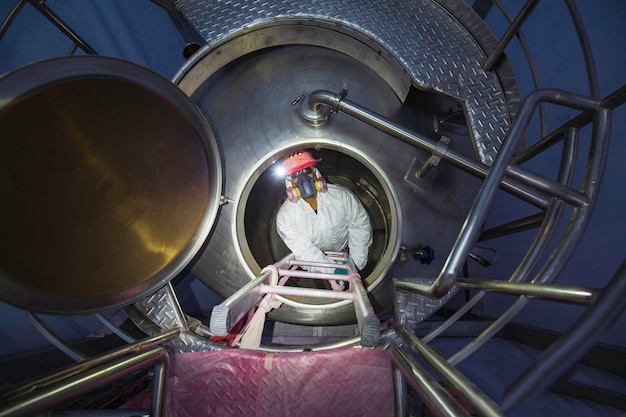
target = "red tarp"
x: 237, y: 382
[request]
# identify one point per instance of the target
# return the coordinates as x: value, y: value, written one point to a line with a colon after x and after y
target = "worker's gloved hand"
x: 341, y: 271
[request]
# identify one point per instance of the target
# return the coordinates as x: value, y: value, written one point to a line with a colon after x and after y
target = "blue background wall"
x: 559, y: 61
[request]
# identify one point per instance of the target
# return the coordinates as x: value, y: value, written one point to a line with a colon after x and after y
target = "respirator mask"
x: 305, y: 184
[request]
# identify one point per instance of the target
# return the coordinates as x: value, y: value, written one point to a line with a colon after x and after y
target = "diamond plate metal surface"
x: 412, y: 308
x: 163, y: 309
x: 239, y: 382
x: 435, y: 49
x: 190, y: 342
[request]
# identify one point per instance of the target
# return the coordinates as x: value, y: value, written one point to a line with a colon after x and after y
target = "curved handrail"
x: 572, y: 345
x: 531, y: 257
x: 531, y: 64
x: 84, y: 377
x: 473, y: 225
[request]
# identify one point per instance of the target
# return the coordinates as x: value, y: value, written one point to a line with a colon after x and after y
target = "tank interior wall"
x: 143, y: 33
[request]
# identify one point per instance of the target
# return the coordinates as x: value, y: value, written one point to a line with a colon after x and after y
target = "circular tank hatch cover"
x: 110, y: 180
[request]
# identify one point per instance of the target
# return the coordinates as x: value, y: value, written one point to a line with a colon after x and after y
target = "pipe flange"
x: 315, y: 116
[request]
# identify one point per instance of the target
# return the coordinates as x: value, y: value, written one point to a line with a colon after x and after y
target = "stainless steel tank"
x: 148, y: 178
x: 250, y: 84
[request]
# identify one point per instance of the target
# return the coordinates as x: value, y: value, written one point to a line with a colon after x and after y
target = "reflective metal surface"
x: 252, y: 105
x: 441, y: 45
x: 109, y: 182
x: 395, y: 59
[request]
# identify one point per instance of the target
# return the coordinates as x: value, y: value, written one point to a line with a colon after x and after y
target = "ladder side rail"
x: 226, y: 314
x: 367, y: 320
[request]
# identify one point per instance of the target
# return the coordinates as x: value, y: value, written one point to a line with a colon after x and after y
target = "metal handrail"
x: 63, y: 27
x: 435, y: 397
x: 76, y: 368
x: 513, y: 28
x: 84, y: 377
x: 475, y: 397
x: 564, y: 249
x: 471, y: 229
x: 531, y: 62
x: 572, y: 345
x: 611, y: 101
x: 53, y: 338
x: 537, y: 378
x: 531, y: 257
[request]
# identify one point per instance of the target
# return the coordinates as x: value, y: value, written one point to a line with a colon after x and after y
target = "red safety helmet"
x: 296, y: 161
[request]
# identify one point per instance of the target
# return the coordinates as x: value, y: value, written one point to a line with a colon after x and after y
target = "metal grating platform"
x: 436, y: 50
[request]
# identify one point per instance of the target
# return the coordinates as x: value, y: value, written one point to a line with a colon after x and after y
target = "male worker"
x: 319, y: 217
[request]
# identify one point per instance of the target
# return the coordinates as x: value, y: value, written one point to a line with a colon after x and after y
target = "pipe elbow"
x: 317, y: 106
x: 320, y: 98
x: 442, y: 285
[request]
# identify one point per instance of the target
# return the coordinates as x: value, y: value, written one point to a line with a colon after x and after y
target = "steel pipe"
x: 327, y: 98
x: 471, y: 229
x: 510, y: 32
x: 566, y: 245
x: 87, y: 365
x: 562, y: 355
x: 320, y: 98
x: 564, y: 293
x: 476, y: 398
x: 436, y: 398
x: 90, y: 380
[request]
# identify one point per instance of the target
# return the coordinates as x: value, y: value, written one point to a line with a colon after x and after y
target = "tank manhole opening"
x: 264, y: 194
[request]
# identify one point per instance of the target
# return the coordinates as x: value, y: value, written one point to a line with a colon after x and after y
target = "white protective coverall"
x: 341, y: 222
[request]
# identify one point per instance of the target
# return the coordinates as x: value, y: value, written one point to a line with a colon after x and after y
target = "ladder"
x: 259, y: 296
